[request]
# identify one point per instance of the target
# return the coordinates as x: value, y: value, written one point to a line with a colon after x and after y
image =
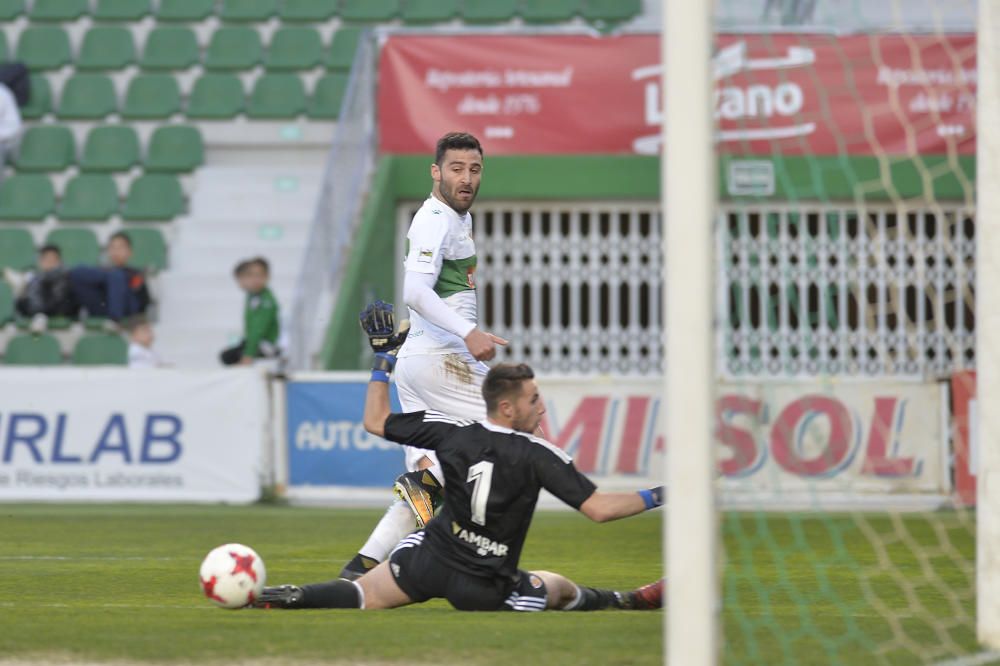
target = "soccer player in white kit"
x: 440, y: 365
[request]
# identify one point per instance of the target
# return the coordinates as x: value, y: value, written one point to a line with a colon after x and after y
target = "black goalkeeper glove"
x: 379, y: 325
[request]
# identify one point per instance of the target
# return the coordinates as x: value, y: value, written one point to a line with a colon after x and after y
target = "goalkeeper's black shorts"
x: 422, y: 576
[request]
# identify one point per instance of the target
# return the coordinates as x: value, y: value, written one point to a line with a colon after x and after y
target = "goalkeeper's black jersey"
x: 492, y: 478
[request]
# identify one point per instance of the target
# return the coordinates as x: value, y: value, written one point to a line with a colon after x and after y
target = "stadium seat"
x: 87, y: 97
x: 89, y: 197
x: 122, y: 10
x: 106, y: 48
x: 149, y: 249
x: 27, y: 349
x: 611, y: 11
x: 277, y: 96
x: 110, y: 148
x: 78, y: 246
x: 170, y: 48
x: 11, y: 9
x: 343, y: 47
x: 184, y: 11
x: 429, y: 11
x: 4, y: 49
x: 26, y: 197
x: 369, y: 11
x: 307, y: 11
x: 215, y: 97
x: 6, y: 303
x: 177, y: 149
x: 58, y: 10
x: 154, y: 196
x: 40, y: 102
x: 248, y: 10
x: 327, y: 96
x: 152, y: 96
x: 42, y: 47
x: 489, y: 11
x: 549, y: 11
x: 294, y: 49
x: 234, y: 48
x: 17, y: 249
x: 46, y: 148
x: 100, y: 349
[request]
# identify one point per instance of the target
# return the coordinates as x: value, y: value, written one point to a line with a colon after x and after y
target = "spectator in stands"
x: 10, y: 125
x: 260, y: 315
x: 44, y: 292
x: 140, y: 344
x: 115, y: 291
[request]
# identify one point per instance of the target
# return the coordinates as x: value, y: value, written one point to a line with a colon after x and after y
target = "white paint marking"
x: 972, y: 660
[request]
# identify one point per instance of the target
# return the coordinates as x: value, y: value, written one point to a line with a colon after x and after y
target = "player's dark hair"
x: 502, y: 381
x: 134, y: 322
x: 50, y: 248
x: 456, y: 141
x: 260, y: 261
x: 123, y: 236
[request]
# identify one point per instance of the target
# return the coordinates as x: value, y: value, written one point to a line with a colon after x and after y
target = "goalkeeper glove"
x: 379, y: 325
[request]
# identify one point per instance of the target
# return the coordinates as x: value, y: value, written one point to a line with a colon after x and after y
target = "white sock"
x: 394, y: 525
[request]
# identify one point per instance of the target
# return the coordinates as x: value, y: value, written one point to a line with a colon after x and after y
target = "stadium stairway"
x: 236, y: 212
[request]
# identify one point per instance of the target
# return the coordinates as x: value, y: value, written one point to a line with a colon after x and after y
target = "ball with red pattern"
x: 232, y: 575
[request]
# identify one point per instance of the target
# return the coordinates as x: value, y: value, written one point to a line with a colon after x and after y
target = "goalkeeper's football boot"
x: 647, y: 597
x: 281, y: 596
x: 418, y: 490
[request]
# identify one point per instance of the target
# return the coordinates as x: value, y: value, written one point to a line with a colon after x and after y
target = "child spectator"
x: 44, y: 292
x: 140, y: 344
x: 260, y: 315
x: 115, y: 291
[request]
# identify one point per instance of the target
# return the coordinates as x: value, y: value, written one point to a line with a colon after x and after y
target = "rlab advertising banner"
x: 792, y: 94
x: 131, y: 435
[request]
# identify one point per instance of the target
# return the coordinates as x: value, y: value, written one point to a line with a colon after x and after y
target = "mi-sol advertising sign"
x: 793, y: 94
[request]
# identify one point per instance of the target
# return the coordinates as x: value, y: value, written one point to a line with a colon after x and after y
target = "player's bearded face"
x: 457, y: 178
x: 528, y: 408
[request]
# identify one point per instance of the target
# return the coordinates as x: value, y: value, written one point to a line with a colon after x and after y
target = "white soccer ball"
x: 232, y: 575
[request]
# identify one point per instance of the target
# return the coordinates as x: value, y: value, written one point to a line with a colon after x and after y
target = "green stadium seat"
x: 4, y: 49
x: 489, y: 11
x: 611, y: 11
x: 152, y: 96
x: 176, y: 149
x: 170, y: 48
x: 6, y: 303
x: 100, y: 349
x: 343, y: 47
x: 154, y: 196
x: 294, y: 49
x: 40, y: 102
x: 307, y: 11
x: 327, y: 96
x: 277, y: 96
x: 87, y: 97
x: 28, y: 349
x: 549, y: 11
x: 42, y: 47
x: 106, y: 48
x: 429, y: 11
x: 78, y: 246
x: 11, y: 9
x: 17, y: 249
x: 234, y: 48
x: 369, y: 11
x: 122, y: 10
x: 58, y: 10
x: 26, y: 197
x: 184, y: 11
x: 248, y: 10
x: 149, y: 249
x: 46, y: 148
x: 110, y: 148
x: 215, y: 97
x: 89, y: 197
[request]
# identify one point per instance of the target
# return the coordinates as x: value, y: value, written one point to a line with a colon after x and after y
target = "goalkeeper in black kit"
x: 494, y: 470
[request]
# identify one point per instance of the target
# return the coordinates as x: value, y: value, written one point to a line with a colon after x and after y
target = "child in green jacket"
x: 260, y: 315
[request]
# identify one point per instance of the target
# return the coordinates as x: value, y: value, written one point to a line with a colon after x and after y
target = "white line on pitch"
x: 972, y: 660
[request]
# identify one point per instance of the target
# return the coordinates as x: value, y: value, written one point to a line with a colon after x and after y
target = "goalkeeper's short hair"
x: 503, y: 381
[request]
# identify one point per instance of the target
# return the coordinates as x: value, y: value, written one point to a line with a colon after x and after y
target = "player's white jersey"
x: 439, y: 243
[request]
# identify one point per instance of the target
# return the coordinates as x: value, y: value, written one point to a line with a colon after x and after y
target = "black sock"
x: 595, y: 599
x: 334, y: 594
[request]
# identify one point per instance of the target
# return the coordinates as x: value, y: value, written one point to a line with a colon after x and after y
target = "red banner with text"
x: 775, y: 94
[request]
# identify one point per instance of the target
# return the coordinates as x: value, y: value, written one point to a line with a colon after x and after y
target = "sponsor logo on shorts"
x: 535, y: 581
x: 395, y: 569
x: 485, y: 545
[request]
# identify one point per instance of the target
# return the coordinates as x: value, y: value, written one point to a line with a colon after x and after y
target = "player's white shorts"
x: 447, y: 383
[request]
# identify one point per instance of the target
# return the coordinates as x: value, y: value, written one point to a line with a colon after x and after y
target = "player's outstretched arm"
x: 380, y: 326
x: 602, y: 507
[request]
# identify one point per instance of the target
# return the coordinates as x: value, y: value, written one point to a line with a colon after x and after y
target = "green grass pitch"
x: 119, y: 584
